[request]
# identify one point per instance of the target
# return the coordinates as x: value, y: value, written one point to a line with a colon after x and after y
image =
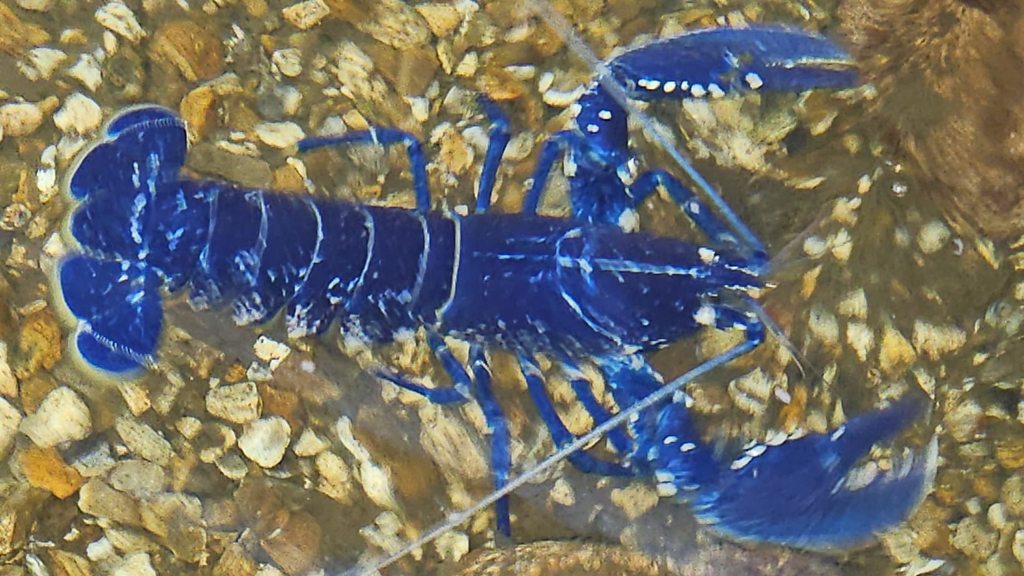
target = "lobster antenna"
x: 604, y: 76
x: 660, y: 395
x: 773, y: 327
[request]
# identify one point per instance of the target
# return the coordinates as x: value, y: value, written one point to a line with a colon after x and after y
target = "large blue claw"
x: 716, y: 61
x: 703, y: 63
x: 804, y: 492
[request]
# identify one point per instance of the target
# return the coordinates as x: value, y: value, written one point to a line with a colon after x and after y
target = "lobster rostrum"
x: 579, y: 290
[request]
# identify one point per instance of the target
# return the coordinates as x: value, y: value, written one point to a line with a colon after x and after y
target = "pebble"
x: 295, y: 545
x: 305, y: 15
x: 177, y: 519
x: 88, y: 71
x: 97, y: 498
x: 8, y: 383
x: 854, y: 305
x: 10, y: 419
x: 895, y: 352
x: 1012, y: 495
x: 40, y: 63
x: 932, y: 236
x: 119, y: 19
x: 270, y: 351
x: 452, y: 545
x: 279, y: 134
x: 20, y: 118
x: 635, y: 500
x: 964, y: 420
x: 44, y: 468
x: 815, y: 247
x: 36, y: 5
x: 1010, y: 451
x: 309, y: 444
x: 974, y: 539
x: 198, y: 110
x: 134, y: 564
x: 1018, y: 546
x: 335, y: 477
x: 79, y: 115
x: 823, y: 325
x: 441, y: 17
x: 94, y: 460
x: 288, y: 61
x: 139, y: 478
x: 265, y: 441
x: 61, y: 417
x: 143, y: 441
x: 861, y: 338
x: 934, y: 340
x: 237, y: 403
x: 235, y: 561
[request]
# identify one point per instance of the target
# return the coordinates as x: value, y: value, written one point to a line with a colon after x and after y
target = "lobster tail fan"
x: 118, y: 180
x: 118, y: 309
x: 807, y: 493
x: 143, y: 145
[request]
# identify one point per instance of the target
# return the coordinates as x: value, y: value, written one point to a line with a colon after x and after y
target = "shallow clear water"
x: 877, y: 290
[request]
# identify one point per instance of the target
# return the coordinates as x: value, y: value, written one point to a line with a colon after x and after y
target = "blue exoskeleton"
x: 579, y: 290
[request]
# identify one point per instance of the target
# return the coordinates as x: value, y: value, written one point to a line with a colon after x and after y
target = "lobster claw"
x: 711, y: 63
x: 716, y: 61
x: 804, y: 492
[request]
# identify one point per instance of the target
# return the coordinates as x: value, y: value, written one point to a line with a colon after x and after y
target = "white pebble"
x: 932, y: 237
x: 20, y: 118
x: 309, y: 444
x: 79, y: 115
x: 40, y: 63
x: 823, y: 325
x: 305, y: 15
x: 119, y: 19
x: 861, y: 338
x: 88, y: 71
x: 265, y: 441
x: 279, y: 134
x: 935, y: 340
x: 8, y: 384
x: 452, y: 545
x: 61, y: 417
x: 288, y: 61
x: 270, y: 351
x: 10, y: 419
x: 815, y: 247
x: 238, y: 403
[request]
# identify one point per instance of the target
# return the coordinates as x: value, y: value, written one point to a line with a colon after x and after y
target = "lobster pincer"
x: 708, y: 63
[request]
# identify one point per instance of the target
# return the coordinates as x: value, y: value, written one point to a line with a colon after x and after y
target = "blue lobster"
x: 578, y: 289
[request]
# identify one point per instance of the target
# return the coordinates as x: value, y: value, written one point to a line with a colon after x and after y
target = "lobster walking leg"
x: 501, y: 458
x: 461, y: 386
x: 384, y: 137
x: 464, y: 387
x: 559, y: 433
x: 584, y: 390
x: 499, y: 137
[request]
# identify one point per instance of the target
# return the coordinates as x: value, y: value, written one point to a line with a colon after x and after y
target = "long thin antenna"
x: 604, y: 75
x: 457, y: 518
